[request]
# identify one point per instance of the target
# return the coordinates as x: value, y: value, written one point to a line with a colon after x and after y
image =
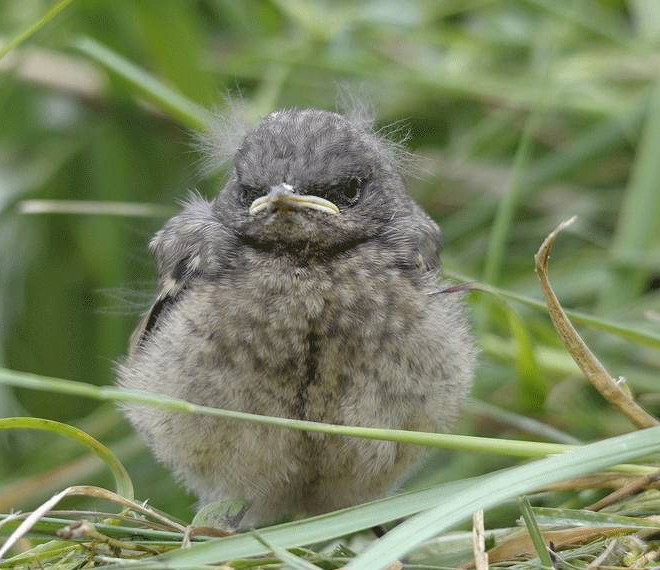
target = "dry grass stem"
x: 88, y: 491
x: 53, y: 70
x: 604, y: 556
x: 85, y: 529
x: 634, y: 487
x: 94, y: 208
x: 643, y: 560
x: 592, y: 368
x: 479, y: 541
x: 520, y: 545
x: 600, y: 481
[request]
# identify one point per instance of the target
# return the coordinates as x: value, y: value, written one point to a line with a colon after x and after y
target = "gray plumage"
x: 287, y: 307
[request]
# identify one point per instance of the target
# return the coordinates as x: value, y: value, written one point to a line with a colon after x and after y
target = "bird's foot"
x: 221, y: 517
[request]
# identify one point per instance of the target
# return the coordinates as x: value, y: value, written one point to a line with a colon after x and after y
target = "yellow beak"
x: 293, y: 201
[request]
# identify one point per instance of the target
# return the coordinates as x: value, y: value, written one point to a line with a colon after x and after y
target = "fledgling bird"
x: 307, y: 288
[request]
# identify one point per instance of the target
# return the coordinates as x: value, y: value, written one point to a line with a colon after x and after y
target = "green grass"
x: 513, y: 138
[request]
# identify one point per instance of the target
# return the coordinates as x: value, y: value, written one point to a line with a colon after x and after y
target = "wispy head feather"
x: 357, y: 107
x: 232, y: 121
x: 224, y: 134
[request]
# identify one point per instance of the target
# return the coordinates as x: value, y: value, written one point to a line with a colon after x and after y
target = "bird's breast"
x: 308, y: 338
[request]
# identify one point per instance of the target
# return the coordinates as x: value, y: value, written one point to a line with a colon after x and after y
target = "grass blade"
x: 123, y: 482
x: 84, y: 490
x: 440, y: 440
x: 593, y: 21
x: 589, y: 145
x: 34, y: 28
x: 502, y: 486
x: 645, y: 338
x: 558, y: 361
x: 532, y: 385
x: 95, y: 208
x: 35, y: 557
x: 172, y: 102
x: 506, y: 208
x: 315, y: 529
x: 291, y: 560
x: 50, y: 526
x: 457, y: 501
x: 515, y: 448
x: 638, y: 222
x: 574, y: 517
x: 519, y: 422
x: 534, y: 532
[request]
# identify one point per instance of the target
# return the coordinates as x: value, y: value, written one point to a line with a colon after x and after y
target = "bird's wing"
x: 429, y: 241
x: 190, y: 245
x: 170, y: 291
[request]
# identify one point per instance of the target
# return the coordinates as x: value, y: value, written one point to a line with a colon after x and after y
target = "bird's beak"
x: 282, y: 196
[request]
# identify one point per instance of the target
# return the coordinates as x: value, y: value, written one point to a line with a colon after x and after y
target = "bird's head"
x: 312, y: 181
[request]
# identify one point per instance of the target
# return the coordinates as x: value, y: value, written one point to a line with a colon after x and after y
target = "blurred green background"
x: 521, y: 113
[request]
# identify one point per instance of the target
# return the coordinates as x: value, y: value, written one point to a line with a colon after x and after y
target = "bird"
x: 310, y: 287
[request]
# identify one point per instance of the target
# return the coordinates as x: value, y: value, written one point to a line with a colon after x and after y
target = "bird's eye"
x: 352, y: 189
x: 249, y: 194
x: 343, y: 194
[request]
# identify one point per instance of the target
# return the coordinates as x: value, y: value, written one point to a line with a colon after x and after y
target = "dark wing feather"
x: 149, y: 321
x: 171, y: 292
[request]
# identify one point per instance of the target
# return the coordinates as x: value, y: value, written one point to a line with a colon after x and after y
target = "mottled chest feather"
x: 306, y: 331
